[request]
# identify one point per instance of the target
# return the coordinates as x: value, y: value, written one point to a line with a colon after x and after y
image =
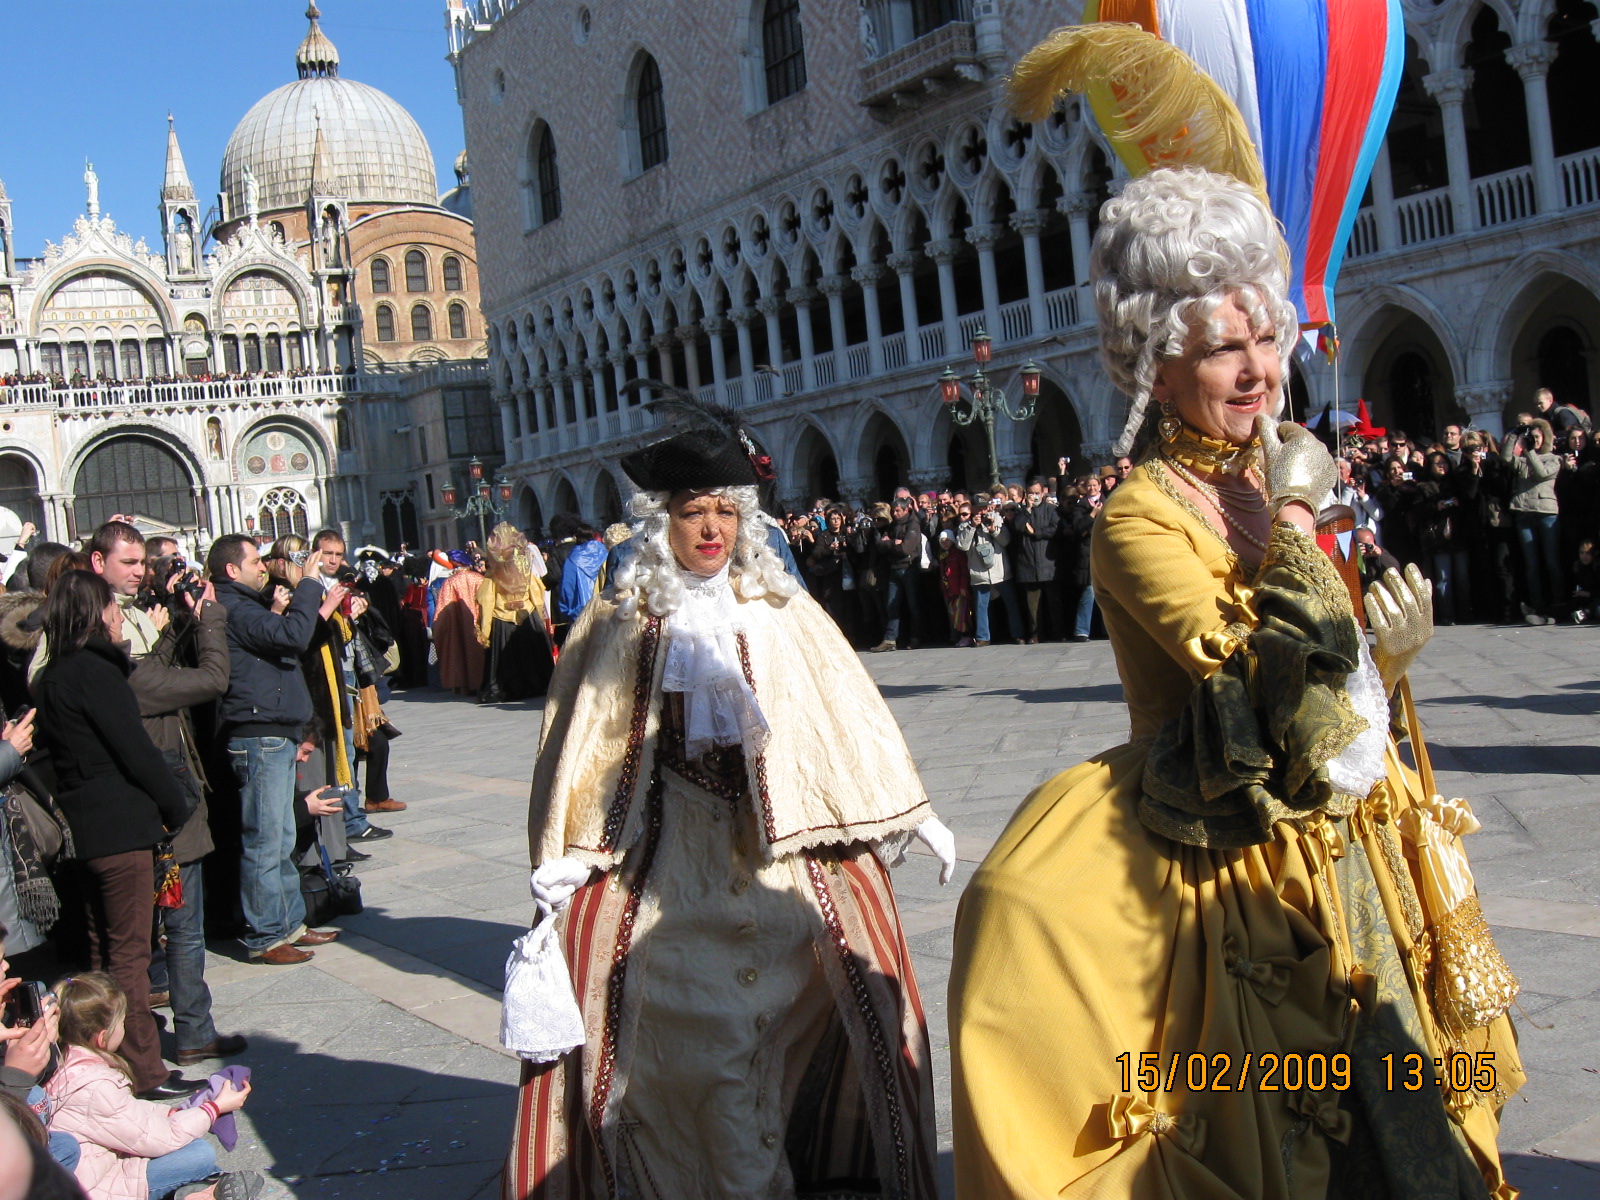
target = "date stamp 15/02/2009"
x: 1269, y: 1072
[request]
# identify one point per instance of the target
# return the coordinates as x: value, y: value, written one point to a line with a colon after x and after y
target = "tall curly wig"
x: 1172, y: 248
x: 652, y: 580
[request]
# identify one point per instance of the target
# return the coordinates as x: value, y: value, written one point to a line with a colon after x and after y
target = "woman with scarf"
x: 752, y: 1025
x: 1203, y: 962
x: 511, y: 621
x: 455, y: 627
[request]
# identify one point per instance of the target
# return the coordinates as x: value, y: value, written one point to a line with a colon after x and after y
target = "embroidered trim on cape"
x: 858, y: 990
x: 759, y: 765
x: 649, y: 642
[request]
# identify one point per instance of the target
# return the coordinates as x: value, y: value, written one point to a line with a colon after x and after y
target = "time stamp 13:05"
x: 1270, y: 1072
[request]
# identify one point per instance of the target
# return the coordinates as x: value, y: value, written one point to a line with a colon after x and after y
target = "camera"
x: 25, y: 1005
x: 352, y: 579
x: 157, y: 590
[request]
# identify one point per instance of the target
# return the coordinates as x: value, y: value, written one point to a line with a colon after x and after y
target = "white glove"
x: 936, y: 836
x: 554, y: 882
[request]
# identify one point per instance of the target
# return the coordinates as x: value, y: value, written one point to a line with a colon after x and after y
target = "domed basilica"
x: 263, y: 370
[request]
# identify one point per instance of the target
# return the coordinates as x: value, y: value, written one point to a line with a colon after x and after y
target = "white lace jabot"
x: 719, y: 707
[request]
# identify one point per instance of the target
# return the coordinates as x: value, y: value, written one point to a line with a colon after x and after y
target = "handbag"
x: 329, y: 890
x: 539, y: 1014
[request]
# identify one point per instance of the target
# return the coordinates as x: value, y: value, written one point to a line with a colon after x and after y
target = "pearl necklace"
x: 1214, y: 498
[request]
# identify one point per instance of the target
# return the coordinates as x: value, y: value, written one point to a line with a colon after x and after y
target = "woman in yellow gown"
x: 1231, y: 957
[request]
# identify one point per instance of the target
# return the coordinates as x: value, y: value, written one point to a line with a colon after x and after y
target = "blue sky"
x: 95, y: 79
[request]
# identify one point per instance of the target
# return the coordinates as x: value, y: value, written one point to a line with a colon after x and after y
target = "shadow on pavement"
x: 474, y: 948
x: 1543, y: 1178
x: 1558, y: 705
x: 332, y: 1126
x: 1099, y: 693
x: 1539, y: 759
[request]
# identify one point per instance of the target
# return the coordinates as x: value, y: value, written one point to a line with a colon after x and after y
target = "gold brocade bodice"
x: 1168, y: 589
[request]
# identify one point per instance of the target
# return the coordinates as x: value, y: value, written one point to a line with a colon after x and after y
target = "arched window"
x: 650, y: 111
x: 783, y: 49
x: 549, y: 178
x: 416, y: 271
x: 458, y: 321
x: 282, y: 512
x: 421, y: 323
x: 385, y: 323
x: 452, y: 273
x: 380, y: 276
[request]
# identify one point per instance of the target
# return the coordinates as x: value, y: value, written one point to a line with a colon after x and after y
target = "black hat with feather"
x: 712, y: 450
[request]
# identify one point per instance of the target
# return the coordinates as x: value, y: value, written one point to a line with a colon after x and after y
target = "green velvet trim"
x: 1252, y: 745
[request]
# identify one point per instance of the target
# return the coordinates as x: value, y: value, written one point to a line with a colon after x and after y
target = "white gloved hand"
x: 554, y: 882
x: 936, y: 836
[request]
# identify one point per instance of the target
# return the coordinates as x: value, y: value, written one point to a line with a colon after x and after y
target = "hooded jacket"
x: 116, y: 1131
x: 17, y: 643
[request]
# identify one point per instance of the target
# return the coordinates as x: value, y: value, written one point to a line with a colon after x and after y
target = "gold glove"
x: 1400, y: 612
x: 1298, y: 467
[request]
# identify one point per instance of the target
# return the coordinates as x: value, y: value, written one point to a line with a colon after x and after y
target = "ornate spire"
x: 323, y: 181
x: 317, y: 57
x: 177, y: 185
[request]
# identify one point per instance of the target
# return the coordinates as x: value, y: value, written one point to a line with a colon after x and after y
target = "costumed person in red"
x: 718, y: 795
x: 455, y: 627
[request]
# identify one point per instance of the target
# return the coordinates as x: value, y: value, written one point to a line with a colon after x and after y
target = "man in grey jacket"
x: 1529, y: 454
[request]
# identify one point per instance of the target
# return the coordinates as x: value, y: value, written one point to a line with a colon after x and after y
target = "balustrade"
x: 1425, y: 217
x: 894, y: 351
x: 112, y: 394
x: 1016, y: 321
x: 1505, y: 197
x: 1580, y: 178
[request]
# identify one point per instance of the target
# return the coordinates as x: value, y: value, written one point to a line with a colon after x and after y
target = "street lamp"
x: 487, y: 498
x: 984, y: 399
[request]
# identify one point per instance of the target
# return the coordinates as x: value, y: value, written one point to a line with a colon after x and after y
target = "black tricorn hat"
x: 695, y: 460
x: 713, y: 451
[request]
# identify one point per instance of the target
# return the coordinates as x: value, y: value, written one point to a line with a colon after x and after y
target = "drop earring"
x: 1169, y: 426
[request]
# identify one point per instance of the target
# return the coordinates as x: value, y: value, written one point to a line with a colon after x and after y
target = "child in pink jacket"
x: 132, y: 1149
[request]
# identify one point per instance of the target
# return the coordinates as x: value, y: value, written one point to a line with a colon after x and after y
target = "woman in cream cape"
x: 1257, y: 871
x: 718, y: 792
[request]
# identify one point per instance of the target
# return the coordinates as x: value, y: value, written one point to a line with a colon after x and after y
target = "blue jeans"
x: 1536, y: 534
x: 1085, y: 616
x: 1007, y: 591
x: 1452, y: 583
x: 269, y: 882
x: 186, y: 1164
x: 181, y: 969
x: 63, y: 1147
x: 902, y: 586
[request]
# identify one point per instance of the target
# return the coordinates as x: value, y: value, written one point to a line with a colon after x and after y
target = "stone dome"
x: 376, y: 150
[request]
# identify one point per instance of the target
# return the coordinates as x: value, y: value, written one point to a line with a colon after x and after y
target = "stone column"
x: 943, y: 252
x: 857, y: 492
x: 983, y: 237
x: 833, y: 287
x: 508, y: 429
x: 688, y: 336
x: 867, y: 275
x: 1532, y: 62
x: 1383, y: 200
x: 1013, y: 467
x: 1030, y: 224
x: 527, y: 425
x: 1486, y: 404
x: 741, y: 318
x: 597, y: 380
x: 580, y: 405
x: 903, y: 263
x: 928, y: 479
x: 769, y: 307
x: 1450, y: 88
x: 1077, y: 207
x: 802, y: 298
x: 716, y: 328
x: 662, y: 342
x: 619, y: 375
x: 641, y: 363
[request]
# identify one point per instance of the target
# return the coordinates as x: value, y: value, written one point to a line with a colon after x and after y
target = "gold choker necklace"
x: 1209, y: 455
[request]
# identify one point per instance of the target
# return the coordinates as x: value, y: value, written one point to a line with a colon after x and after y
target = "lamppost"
x: 984, y: 399
x: 481, y: 503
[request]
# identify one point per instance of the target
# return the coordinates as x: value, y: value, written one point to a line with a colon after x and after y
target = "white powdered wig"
x: 651, y: 575
x: 1172, y: 248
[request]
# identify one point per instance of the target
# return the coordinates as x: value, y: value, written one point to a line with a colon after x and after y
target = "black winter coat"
x: 265, y: 686
x: 1077, y: 527
x: 1033, y: 555
x: 113, y: 785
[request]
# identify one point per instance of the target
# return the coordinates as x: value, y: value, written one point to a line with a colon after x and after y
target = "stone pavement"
x: 377, y: 1066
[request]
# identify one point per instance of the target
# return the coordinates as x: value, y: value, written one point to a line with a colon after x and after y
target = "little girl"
x: 132, y: 1149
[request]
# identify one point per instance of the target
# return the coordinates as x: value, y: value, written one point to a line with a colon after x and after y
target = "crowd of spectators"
x: 956, y: 568
x: 186, y: 753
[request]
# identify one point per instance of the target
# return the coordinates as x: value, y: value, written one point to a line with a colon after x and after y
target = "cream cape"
x: 836, y: 769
